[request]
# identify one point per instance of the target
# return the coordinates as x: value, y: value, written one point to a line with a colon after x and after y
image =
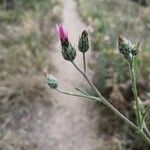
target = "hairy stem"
x: 134, y: 90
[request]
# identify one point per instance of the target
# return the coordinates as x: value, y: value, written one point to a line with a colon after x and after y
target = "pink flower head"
x: 62, y: 33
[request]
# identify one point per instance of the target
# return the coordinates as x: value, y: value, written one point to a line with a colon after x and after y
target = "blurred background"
x: 28, y: 109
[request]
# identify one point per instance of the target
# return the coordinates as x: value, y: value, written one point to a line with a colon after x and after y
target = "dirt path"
x: 68, y: 124
x: 71, y: 126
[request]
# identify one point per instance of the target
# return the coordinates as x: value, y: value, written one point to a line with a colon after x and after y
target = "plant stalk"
x: 132, y: 68
x: 106, y: 103
x: 79, y: 95
x: 84, y: 62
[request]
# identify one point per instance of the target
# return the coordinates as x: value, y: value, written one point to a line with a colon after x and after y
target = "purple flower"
x: 62, y: 33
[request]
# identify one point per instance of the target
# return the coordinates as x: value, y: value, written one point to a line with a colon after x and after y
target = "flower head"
x: 67, y: 50
x: 83, y: 44
x: 62, y: 33
x: 128, y: 49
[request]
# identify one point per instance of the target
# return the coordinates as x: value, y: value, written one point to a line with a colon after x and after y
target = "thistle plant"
x: 129, y: 52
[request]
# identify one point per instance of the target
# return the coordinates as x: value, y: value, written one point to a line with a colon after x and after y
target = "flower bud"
x: 83, y: 44
x: 52, y: 82
x: 127, y: 48
x: 68, y: 52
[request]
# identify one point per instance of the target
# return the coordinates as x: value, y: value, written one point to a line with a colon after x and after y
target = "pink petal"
x: 61, y: 32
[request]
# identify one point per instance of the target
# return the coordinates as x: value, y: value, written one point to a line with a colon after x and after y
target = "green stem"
x: 134, y: 90
x: 78, y: 95
x: 81, y: 91
x: 84, y: 62
x: 107, y: 104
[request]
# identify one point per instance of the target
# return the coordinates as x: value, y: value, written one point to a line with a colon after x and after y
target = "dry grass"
x: 26, y: 38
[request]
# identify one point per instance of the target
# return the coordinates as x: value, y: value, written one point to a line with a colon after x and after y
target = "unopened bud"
x: 83, y: 44
x: 127, y: 48
x: 68, y: 51
x: 52, y: 81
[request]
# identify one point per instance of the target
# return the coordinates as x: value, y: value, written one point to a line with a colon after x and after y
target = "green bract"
x: 127, y: 48
x: 83, y: 44
x: 68, y: 52
x: 52, y: 82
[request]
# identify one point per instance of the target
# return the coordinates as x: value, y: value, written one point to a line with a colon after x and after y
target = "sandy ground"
x: 71, y: 126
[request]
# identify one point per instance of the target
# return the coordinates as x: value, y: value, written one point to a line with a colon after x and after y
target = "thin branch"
x: 80, y: 90
x: 84, y: 62
x: 79, y: 95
